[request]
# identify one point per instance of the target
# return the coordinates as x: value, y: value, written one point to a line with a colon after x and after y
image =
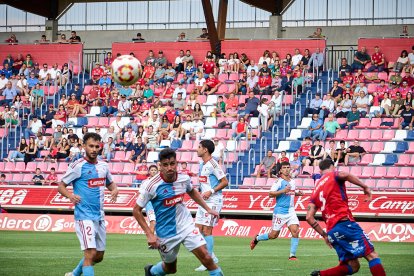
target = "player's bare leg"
x: 91, y: 257
x: 207, y: 232
x: 202, y: 254
x: 264, y: 237
x: 294, y: 241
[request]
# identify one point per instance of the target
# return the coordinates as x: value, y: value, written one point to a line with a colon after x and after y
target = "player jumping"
x: 174, y: 222
x: 212, y: 181
x: 89, y: 176
x: 284, y: 213
x: 344, y: 234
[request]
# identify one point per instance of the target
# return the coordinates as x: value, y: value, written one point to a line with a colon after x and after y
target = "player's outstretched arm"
x: 195, y: 195
x: 151, y: 237
x: 75, y: 199
x: 344, y: 176
x: 310, y: 218
x: 114, y: 191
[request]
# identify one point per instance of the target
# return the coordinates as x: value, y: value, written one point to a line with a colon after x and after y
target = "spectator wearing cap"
x: 9, y: 93
x: 97, y: 73
x: 352, y: 118
x: 35, y: 69
x: 159, y: 75
x: 407, y: 117
x: 21, y: 85
x: 161, y: 59
x: 265, y: 69
x: 209, y: 67
x: 316, y: 60
x: 329, y: 128
x: 295, y: 165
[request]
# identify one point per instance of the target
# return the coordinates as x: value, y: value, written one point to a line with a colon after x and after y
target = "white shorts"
x: 170, y: 247
x: 91, y: 234
x: 279, y: 220
x: 204, y: 218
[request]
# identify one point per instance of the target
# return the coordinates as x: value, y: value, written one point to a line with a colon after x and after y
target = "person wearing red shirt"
x: 170, y: 113
x: 342, y: 232
x: 185, y: 170
x: 112, y: 106
x: 60, y: 117
x: 359, y: 77
x: 168, y: 91
x: 211, y: 85
x: 209, y: 67
x: 232, y: 101
x: 148, y: 73
x: 97, y: 73
x: 141, y: 173
x: 52, y: 178
x: 265, y: 81
x: 108, y: 60
x: 348, y: 78
x: 377, y: 61
x: 304, y: 151
x: 145, y: 106
x: 379, y: 92
x: 404, y: 89
x: 408, y: 78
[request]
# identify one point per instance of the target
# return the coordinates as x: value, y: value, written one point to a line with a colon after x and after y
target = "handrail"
x: 15, y: 134
x: 339, y: 66
x: 228, y: 176
x: 319, y: 87
x: 298, y: 111
x: 275, y: 135
x: 305, y: 76
x: 41, y: 108
x: 2, y: 146
x: 325, y: 60
x: 284, y: 125
x: 308, y: 98
x: 330, y: 77
x: 250, y: 159
x: 313, y: 73
x: 261, y: 146
x: 237, y: 172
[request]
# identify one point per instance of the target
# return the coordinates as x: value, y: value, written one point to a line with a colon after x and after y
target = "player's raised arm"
x: 310, y: 218
x: 344, y: 176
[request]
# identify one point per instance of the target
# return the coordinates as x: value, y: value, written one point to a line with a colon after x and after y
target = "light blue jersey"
x: 173, y: 217
x: 88, y: 181
x: 209, y: 177
x: 285, y: 202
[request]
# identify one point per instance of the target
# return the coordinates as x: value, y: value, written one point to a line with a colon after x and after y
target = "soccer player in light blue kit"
x: 212, y: 181
x: 89, y: 176
x: 284, y: 213
x: 175, y: 224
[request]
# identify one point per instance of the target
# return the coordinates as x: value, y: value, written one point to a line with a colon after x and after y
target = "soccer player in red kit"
x: 343, y: 233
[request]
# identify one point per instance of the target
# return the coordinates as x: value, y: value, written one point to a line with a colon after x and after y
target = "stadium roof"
x: 53, y: 9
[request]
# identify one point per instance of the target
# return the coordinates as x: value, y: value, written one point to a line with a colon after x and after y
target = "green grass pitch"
x: 37, y: 253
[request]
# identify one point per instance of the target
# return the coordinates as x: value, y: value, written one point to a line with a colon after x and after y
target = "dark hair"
x: 152, y: 166
x: 3, y: 175
x: 91, y: 135
x: 342, y: 142
x: 209, y: 145
x: 52, y: 169
x: 325, y: 164
x: 284, y: 163
x: 167, y: 153
x: 404, y: 52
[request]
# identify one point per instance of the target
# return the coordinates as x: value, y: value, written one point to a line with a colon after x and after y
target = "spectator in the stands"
x: 179, y: 63
x: 295, y: 165
x: 161, y: 59
x: 31, y: 151
x: 9, y: 93
x: 385, y: 106
x: 52, y: 178
x: 296, y: 58
x: 151, y: 138
x: 62, y: 39
x: 266, y: 165
x: 264, y: 116
x: 19, y: 152
x: 141, y: 173
x: 317, y: 33
x: 105, y: 79
x: 12, y: 39
x: 12, y: 117
x: 108, y: 151
x: 407, y: 117
x: 97, y: 73
x: 252, y: 102
x: 345, y: 67
x: 316, y: 60
x: 264, y: 57
x: 21, y: 85
x: 8, y: 60
x: 48, y: 116
x: 298, y: 81
x: 7, y: 71
x: 139, y: 151
x: 362, y: 102
x: 314, y: 106
x: 108, y: 60
x: 240, y: 129
x: 352, y: 118
x: 336, y: 92
x: 354, y: 153
x: 275, y: 104
x: 74, y: 152
x: 264, y: 84
x: 402, y: 61
x: 181, y: 37
x: 252, y: 66
x: 396, y: 104
x: 60, y: 117
x: 327, y: 106
x: 138, y: 38
x: 329, y: 128
x: 304, y: 62
x: 33, y: 128
x: 264, y: 69
x: 3, y: 81
x: 286, y: 84
x: 38, y: 95
x: 331, y: 152
x: 316, y: 153
x: 74, y: 37
x: 188, y: 57
x: 17, y: 64
x: 128, y: 142
x: 252, y: 81
x: 204, y: 34
x: 209, y: 67
x: 316, y: 127
x: 304, y: 151
x: 361, y: 58
x: 211, y: 86
x: 3, y: 181
x: 38, y: 178
x: 282, y: 158
x: 124, y: 107
x: 377, y: 61
x: 44, y: 73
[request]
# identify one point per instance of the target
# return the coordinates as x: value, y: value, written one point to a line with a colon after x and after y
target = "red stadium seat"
x: 19, y: 167
x: 388, y: 134
x: 248, y: 182
x: 368, y: 172
x: 366, y: 159
x: 382, y: 184
x: 187, y: 145
x: 93, y: 122
x: 376, y: 147
x: 63, y: 167
x: 9, y: 167
x: 119, y: 156
x: 17, y: 178
x: 223, y: 77
x: 356, y: 170
x: 118, y: 167
x: 308, y: 169
x: 27, y: 178
x: 370, y: 183
x: 375, y: 122
x: 393, y: 172
x: 270, y: 181
x: 221, y: 133
x: 405, y: 172
x: 407, y: 184
x: 186, y: 157
x: 367, y: 146
x: 103, y: 122
x: 376, y: 135
x: 410, y: 148
x: 117, y: 178
x: 354, y: 134
x: 380, y: 172
x: 341, y: 134
x: 260, y: 182
x: 127, y: 180
x: 308, y: 183
x: 363, y: 123
x: 128, y: 168
x: 403, y: 160
x: 396, y: 184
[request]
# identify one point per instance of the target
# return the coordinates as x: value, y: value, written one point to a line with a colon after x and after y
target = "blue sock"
x: 210, y: 244
x: 263, y: 237
x: 374, y: 262
x: 157, y: 270
x: 294, y: 242
x: 88, y: 271
x: 78, y: 270
x: 216, y: 272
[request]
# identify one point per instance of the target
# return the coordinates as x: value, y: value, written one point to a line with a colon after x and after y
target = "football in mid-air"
x: 125, y: 70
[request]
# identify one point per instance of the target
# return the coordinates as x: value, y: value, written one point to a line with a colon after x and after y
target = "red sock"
x: 377, y: 270
x: 335, y: 271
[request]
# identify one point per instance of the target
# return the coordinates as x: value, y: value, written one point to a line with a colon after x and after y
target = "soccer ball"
x: 125, y: 70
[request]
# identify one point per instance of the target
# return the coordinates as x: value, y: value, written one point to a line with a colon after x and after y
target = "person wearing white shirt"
x: 21, y: 85
x: 327, y: 106
x: 179, y: 89
x: 276, y: 103
x: 197, y: 130
x: 263, y: 109
x: 361, y: 87
x: 3, y: 81
x: 179, y: 63
x: 118, y: 124
x: 54, y: 72
x: 186, y: 127
x: 252, y: 80
x: 199, y: 81
x: 124, y: 106
x: 218, y: 150
x: 33, y: 128
x: 316, y: 60
x: 44, y: 73
x: 296, y: 58
x: 362, y: 102
x: 251, y: 67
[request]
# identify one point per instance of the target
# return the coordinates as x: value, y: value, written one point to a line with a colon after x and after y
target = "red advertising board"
x: 383, y: 204
x: 395, y: 232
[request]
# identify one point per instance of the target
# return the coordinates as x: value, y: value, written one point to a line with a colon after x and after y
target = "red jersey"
x: 283, y: 159
x: 330, y: 197
x: 240, y: 127
x: 93, y: 93
x: 97, y: 73
x: 359, y: 78
x: 265, y: 81
x: 187, y: 172
x: 284, y: 70
x: 170, y: 115
x: 113, y: 102
x: 232, y: 103
x: 348, y: 79
x: 145, y: 106
x: 108, y: 61
x: 305, y: 149
x: 63, y: 119
x: 376, y: 58
x: 52, y: 178
x: 408, y: 79
x: 212, y: 82
x: 209, y: 67
x: 169, y: 92
x: 404, y: 91
x: 148, y: 71
x: 135, y: 107
x: 141, y: 169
